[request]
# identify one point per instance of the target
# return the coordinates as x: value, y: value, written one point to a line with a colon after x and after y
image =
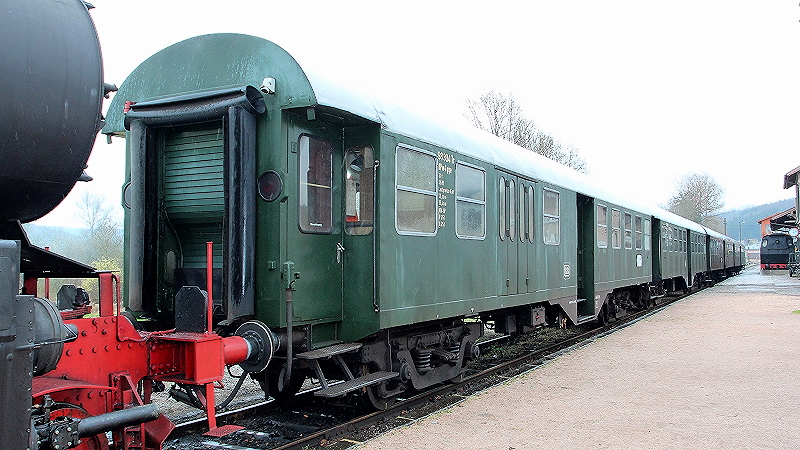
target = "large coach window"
x: 602, y: 226
x: 616, y: 231
x: 359, y: 182
x: 316, y: 174
x: 416, y: 192
x: 551, y: 225
x: 628, y: 231
x: 470, y: 202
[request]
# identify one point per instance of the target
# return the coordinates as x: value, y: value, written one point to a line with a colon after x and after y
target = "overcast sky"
x: 647, y: 91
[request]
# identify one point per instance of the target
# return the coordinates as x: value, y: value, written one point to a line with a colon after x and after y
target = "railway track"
x: 316, y: 423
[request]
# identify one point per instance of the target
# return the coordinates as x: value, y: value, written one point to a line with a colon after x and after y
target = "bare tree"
x: 104, y: 238
x: 698, y: 197
x: 93, y: 211
x: 502, y: 116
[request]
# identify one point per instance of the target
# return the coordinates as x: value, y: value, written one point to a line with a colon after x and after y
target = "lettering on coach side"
x: 445, y: 165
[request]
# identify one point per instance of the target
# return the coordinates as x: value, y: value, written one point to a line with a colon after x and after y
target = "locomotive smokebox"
x: 49, y: 103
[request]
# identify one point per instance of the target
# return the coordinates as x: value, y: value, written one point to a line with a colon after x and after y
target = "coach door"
x: 314, y: 229
x: 516, y: 233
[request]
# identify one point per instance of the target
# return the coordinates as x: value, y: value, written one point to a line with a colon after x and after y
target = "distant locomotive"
x: 373, y: 243
x: 775, y: 250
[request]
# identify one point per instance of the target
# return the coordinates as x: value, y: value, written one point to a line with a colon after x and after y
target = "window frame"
x: 616, y: 230
x: 398, y: 187
x: 637, y: 232
x: 360, y: 227
x: 546, y: 216
x: 300, y: 223
x: 470, y: 200
x: 599, y: 225
x: 627, y: 226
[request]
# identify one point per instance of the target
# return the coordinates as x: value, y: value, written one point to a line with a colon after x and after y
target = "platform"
x: 718, y: 369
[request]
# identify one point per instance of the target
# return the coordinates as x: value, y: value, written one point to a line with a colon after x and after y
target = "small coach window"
x: 551, y: 225
x: 637, y: 225
x: 602, y: 226
x: 359, y: 188
x: 628, y: 231
x: 616, y: 238
x: 470, y: 202
x: 502, y: 208
x: 512, y: 213
x: 416, y: 192
x: 316, y: 175
x: 531, y: 221
x: 676, y: 245
x: 524, y: 232
x: 647, y: 235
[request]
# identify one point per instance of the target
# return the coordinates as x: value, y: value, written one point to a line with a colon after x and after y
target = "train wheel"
x: 645, y: 294
x: 376, y: 396
x: 602, y: 317
x: 284, y: 394
x: 98, y: 442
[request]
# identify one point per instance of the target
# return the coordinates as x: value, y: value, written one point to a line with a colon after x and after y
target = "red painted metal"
x: 99, y: 371
x: 237, y: 350
x: 30, y: 286
x: 108, y: 281
x: 76, y: 313
x: 223, y: 430
x: 210, y: 283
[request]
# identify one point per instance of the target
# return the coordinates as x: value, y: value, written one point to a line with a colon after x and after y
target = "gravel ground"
x: 715, y: 370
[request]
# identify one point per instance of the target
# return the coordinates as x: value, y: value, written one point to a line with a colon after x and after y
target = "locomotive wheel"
x: 97, y: 442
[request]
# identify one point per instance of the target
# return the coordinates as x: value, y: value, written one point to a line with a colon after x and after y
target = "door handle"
x: 339, y: 251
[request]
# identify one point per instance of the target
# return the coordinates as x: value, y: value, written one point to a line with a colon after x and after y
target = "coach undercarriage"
x: 382, y: 368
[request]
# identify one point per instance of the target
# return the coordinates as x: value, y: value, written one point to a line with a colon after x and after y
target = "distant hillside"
x: 750, y: 216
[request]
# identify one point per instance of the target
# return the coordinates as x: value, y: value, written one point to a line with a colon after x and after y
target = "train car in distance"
x: 374, y: 243
x: 775, y: 250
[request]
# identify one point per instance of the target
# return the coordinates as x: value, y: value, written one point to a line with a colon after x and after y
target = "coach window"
x: 602, y: 226
x: 359, y: 208
x: 531, y: 221
x: 524, y: 232
x: 502, y: 208
x: 416, y: 192
x: 628, y: 231
x: 676, y: 246
x: 616, y: 233
x: 316, y: 174
x: 512, y: 213
x: 551, y: 225
x: 470, y: 202
x: 637, y: 229
x: 647, y: 235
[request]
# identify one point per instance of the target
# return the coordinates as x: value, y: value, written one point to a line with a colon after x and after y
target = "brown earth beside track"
x: 718, y: 369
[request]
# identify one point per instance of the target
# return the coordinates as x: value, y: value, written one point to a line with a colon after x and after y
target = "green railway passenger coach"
x: 372, y: 244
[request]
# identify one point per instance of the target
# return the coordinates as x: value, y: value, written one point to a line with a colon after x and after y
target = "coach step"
x: 355, y: 384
